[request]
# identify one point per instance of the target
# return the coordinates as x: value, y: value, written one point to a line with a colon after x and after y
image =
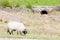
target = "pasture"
x: 26, y: 3
x: 46, y: 27
x: 38, y: 27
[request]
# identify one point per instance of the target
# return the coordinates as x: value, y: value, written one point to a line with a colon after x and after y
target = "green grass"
x: 24, y: 3
x: 44, y: 37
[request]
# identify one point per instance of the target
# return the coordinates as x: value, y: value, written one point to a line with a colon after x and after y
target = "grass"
x: 28, y: 3
x: 19, y: 36
x: 37, y: 28
x: 38, y: 37
x: 33, y: 21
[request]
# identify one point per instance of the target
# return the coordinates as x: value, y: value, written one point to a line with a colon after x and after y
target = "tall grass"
x: 28, y: 3
x: 9, y: 3
x: 29, y: 6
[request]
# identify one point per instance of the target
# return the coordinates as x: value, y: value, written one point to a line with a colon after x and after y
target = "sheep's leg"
x: 12, y: 32
x: 17, y: 33
x: 20, y: 33
x: 8, y: 31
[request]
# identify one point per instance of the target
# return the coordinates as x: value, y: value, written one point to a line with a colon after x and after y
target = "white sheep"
x: 16, y: 26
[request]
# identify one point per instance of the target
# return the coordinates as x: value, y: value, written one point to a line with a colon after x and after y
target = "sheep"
x: 16, y: 26
x: 44, y: 12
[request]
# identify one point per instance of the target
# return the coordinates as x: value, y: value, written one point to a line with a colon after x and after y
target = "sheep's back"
x: 16, y: 25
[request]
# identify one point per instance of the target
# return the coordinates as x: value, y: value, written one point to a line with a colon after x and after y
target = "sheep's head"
x: 24, y: 32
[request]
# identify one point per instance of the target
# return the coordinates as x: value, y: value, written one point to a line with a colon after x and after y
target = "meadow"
x: 27, y: 3
x: 38, y: 26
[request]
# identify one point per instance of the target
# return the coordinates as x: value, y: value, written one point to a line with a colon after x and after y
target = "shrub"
x: 17, y: 5
x: 5, y: 3
x: 29, y: 6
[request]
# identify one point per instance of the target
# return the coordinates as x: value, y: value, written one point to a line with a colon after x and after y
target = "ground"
x: 46, y: 27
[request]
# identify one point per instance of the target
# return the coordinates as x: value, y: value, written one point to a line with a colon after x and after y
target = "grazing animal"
x: 44, y: 12
x: 16, y: 26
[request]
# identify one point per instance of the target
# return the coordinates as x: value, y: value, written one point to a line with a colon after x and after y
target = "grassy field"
x: 38, y: 27
x: 25, y: 3
x: 44, y: 37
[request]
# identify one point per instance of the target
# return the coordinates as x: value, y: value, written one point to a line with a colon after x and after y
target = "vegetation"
x: 33, y: 25
x: 28, y: 3
x: 32, y: 21
x: 38, y: 37
x: 29, y: 6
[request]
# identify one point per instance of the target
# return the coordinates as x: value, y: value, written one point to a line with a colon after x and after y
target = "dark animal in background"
x: 43, y: 12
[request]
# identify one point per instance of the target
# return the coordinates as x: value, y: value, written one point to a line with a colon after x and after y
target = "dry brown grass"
x: 35, y: 23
